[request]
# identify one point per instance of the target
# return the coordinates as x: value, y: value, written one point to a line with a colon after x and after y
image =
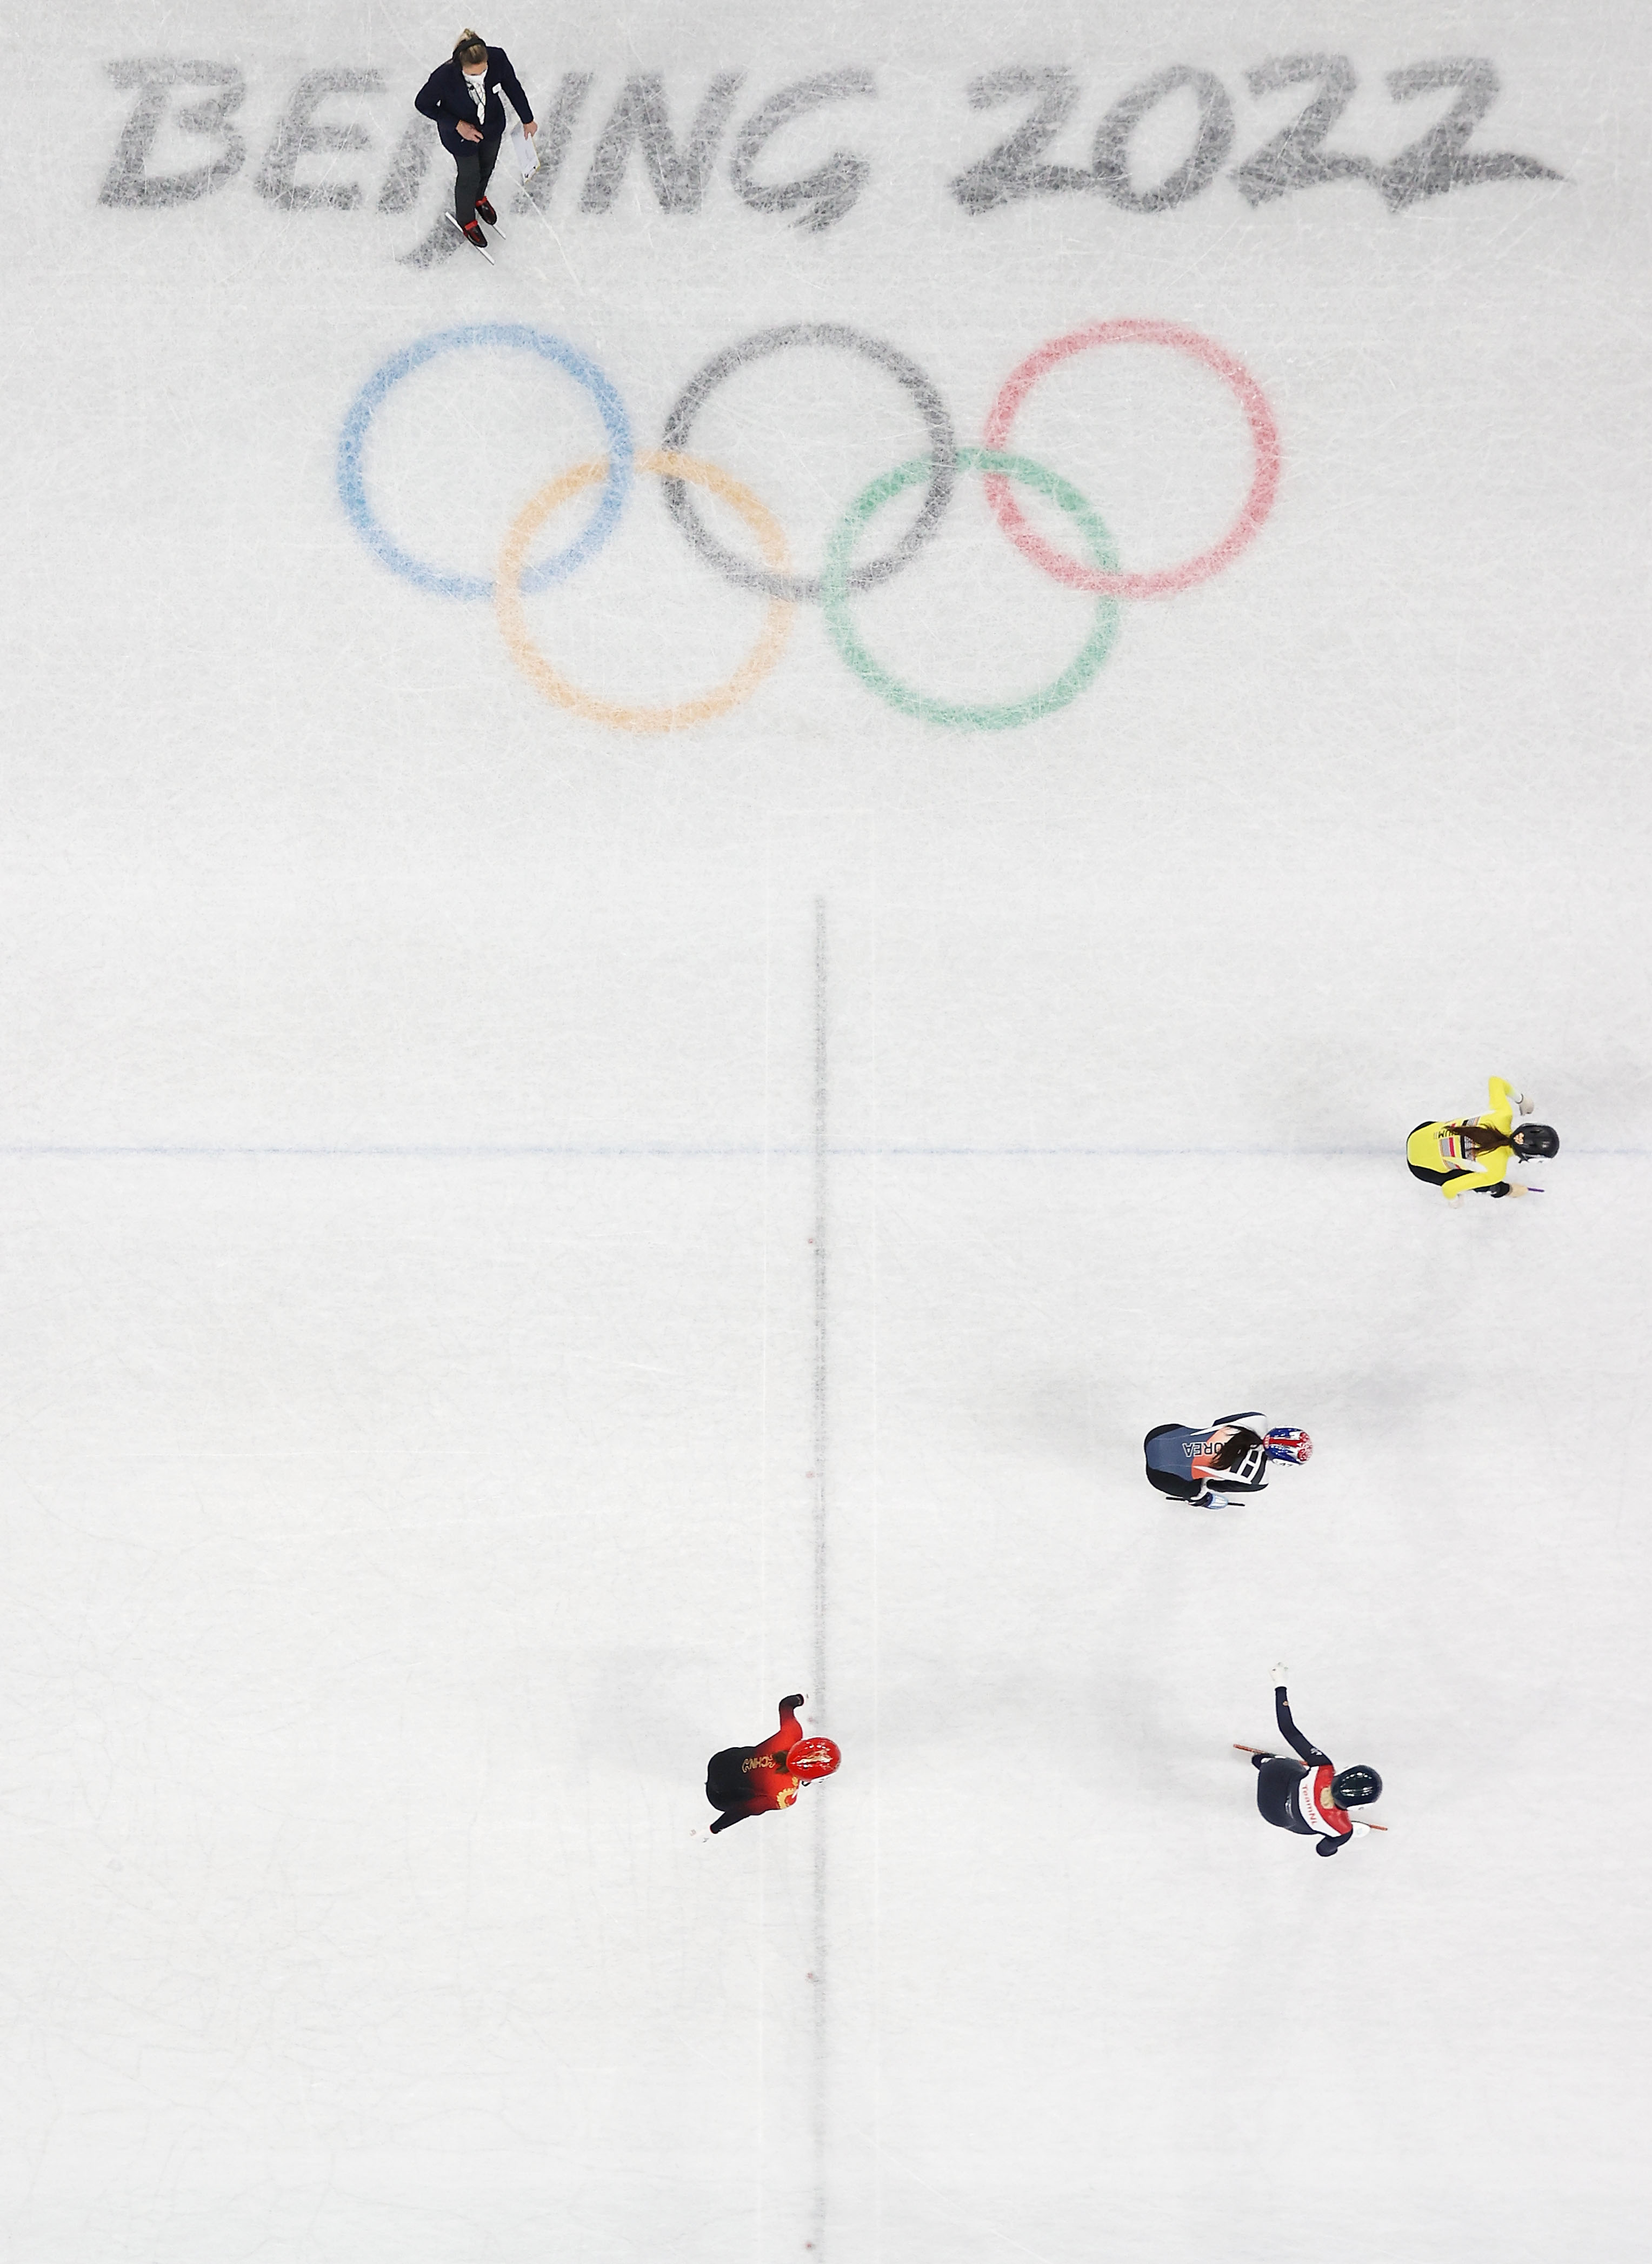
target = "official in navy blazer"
x: 463, y: 97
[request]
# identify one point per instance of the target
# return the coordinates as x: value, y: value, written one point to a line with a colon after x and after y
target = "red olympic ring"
x: 1130, y: 330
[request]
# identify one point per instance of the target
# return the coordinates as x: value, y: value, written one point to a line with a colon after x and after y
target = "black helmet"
x: 1354, y: 1787
x: 1536, y: 1140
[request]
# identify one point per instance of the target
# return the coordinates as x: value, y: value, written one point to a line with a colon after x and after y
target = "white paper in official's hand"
x: 523, y: 150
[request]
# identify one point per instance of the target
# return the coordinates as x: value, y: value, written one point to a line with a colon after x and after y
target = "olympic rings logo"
x: 845, y: 572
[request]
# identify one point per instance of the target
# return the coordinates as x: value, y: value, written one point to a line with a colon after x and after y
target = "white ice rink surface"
x: 420, y: 1409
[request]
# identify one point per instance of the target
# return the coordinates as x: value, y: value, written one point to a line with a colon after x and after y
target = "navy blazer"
x: 446, y: 97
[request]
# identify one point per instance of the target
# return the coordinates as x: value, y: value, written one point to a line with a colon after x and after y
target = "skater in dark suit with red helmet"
x: 462, y: 96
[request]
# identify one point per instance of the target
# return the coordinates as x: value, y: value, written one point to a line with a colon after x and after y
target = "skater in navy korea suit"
x: 462, y: 96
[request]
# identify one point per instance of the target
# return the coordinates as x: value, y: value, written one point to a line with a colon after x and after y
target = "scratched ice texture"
x: 414, y: 1434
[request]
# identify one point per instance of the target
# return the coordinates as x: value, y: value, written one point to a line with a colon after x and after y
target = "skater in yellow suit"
x: 1472, y: 1156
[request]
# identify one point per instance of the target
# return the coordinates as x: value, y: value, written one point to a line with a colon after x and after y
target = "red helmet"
x: 813, y: 1757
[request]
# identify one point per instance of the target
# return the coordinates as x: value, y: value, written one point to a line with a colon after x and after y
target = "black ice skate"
x: 472, y: 234
x: 485, y: 211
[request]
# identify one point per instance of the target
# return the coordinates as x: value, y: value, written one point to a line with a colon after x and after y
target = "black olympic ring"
x: 943, y: 457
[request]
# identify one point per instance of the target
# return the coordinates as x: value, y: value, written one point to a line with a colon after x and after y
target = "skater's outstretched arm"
x: 738, y: 1815
x: 1292, y: 1736
x: 1325, y: 1847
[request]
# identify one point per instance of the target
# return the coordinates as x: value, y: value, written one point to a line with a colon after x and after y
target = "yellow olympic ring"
x: 665, y: 464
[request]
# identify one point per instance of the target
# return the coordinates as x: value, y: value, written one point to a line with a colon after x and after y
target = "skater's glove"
x: 790, y: 1705
x: 1328, y: 1847
x: 1527, y: 1107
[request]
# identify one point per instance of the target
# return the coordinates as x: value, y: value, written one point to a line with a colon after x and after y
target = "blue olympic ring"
x: 615, y: 489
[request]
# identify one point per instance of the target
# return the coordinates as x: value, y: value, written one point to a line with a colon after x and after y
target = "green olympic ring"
x: 955, y: 714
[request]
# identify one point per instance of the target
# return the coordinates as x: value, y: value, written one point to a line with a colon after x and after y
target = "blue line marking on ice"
x: 666, y: 1149
x: 352, y: 489
x: 820, y: 1692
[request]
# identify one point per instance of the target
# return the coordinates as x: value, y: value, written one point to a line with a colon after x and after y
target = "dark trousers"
x: 475, y: 170
x: 726, y: 1783
x: 1162, y: 1481
x: 1276, y: 1793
